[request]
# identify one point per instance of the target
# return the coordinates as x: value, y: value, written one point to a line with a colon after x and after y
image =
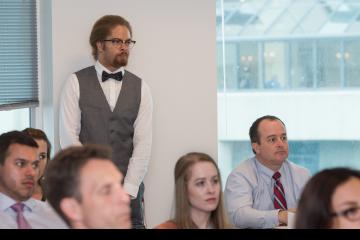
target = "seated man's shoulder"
x: 244, y: 167
x: 300, y: 174
x: 39, y: 206
x: 46, y: 208
x: 6, y: 221
x: 49, y: 215
x: 245, y: 170
x: 298, y: 169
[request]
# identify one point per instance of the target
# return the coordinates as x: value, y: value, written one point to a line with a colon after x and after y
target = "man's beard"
x: 120, y: 60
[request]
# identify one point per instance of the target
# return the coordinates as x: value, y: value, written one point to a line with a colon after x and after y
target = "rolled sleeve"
x: 131, y: 189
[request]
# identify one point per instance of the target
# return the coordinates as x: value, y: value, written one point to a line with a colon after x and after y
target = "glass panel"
x: 231, y: 66
x: 218, y: 19
x: 260, y: 17
x: 220, y: 69
x: 299, y: 9
x: 314, y: 20
x: 274, y: 61
x: 264, y: 21
x: 241, y: 66
x: 302, y: 65
x: 352, y: 63
x: 284, y: 25
x: 266, y: 17
x: 17, y: 119
x: 354, y: 27
x: 248, y: 69
x: 328, y: 63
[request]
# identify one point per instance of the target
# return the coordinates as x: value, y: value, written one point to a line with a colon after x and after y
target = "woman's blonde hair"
x: 182, y: 175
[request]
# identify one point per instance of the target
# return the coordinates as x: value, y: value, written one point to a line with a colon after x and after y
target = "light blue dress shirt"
x: 249, y: 196
x: 38, y: 214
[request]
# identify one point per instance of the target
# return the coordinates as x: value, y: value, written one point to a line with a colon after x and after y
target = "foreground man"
x: 84, y: 186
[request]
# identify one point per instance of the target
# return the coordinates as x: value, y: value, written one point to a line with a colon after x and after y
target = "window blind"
x: 18, y: 54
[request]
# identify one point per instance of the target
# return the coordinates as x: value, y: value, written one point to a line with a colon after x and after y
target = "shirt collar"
x: 265, y: 170
x: 100, y: 68
x: 6, y: 202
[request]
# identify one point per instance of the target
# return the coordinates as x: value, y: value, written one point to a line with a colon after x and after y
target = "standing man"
x: 84, y: 186
x: 261, y: 190
x: 19, y: 171
x: 106, y: 104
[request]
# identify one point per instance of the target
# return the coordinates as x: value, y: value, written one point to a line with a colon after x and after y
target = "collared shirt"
x: 249, y: 193
x: 37, y: 213
x: 70, y: 123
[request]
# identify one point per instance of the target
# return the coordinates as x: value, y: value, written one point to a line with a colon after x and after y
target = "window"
x: 17, y: 119
x: 297, y: 60
x: 18, y: 62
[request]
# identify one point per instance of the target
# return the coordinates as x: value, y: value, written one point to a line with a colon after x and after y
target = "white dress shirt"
x: 70, y: 123
x: 38, y: 214
x: 249, y: 192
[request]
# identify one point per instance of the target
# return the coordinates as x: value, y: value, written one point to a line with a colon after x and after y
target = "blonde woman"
x: 198, y: 194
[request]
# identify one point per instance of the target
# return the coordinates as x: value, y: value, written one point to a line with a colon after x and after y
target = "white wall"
x: 308, y: 115
x: 174, y: 54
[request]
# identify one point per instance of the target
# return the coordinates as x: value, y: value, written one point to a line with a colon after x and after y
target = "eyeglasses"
x: 352, y: 214
x: 117, y: 42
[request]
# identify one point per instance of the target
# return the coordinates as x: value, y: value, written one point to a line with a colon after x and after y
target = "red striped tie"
x: 279, y: 194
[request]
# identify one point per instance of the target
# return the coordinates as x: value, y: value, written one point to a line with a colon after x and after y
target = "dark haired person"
x: 44, y: 155
x: 19, y: 170
x: 261, y: 190
x: 330, y: 199
x: 107, y: 104
x: 84, y: 186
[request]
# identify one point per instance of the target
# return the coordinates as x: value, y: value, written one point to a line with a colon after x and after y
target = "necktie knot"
x: 18, y: 207
x: 276, y: 176
x: 117, y: 76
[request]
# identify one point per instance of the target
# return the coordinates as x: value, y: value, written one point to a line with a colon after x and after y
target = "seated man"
x: 19, y: 170
x: 261, y: 190
x: 85, y: 187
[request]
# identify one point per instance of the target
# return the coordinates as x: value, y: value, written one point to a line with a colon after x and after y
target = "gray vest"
x: 101, y: 126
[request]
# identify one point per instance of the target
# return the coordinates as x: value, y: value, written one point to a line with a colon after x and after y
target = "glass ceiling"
x: 256, y: 18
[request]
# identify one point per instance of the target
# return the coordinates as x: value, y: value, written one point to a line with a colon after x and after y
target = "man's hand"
x: 283, y: 216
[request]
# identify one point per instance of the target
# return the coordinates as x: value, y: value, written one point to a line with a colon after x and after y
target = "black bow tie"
x: 117, y: 76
